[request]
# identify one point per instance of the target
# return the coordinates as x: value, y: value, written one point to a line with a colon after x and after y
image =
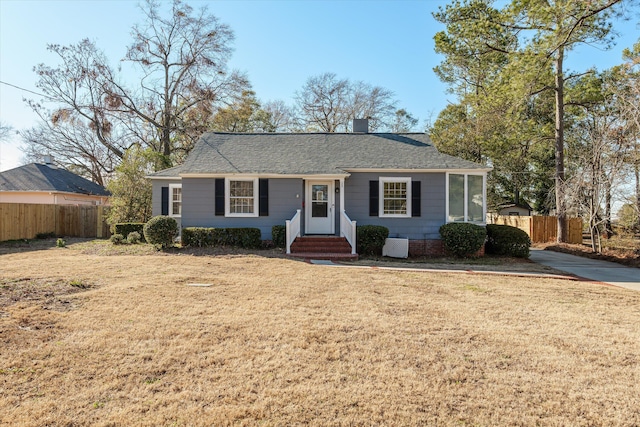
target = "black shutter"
x: 219, y: 196
x: 415, y: 198
x: 164, y: 210
x: 263, y: 202
x: 374, y: 198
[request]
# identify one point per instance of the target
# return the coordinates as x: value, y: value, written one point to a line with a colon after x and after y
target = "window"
x: 241, y: 197
x: 465, y: 198
x: 395, y: 197
x: 175, y: 201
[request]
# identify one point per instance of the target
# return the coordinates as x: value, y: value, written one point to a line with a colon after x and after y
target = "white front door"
x: 319, y: 205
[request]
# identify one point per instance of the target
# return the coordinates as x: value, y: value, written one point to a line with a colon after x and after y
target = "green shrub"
x: 61, y: 243
x: 507, y: 240
x: 198, y: 236
x: 49, y: 235
x: 116, y: 239
x: 133, y: 237
x: 161, y: 231
x: 370, y: 239
x: 247, y: 238
x: 125, y: 228
x: 278, y: 235
x: 462, y: 239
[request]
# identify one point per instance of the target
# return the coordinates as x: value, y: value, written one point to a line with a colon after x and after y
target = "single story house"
x: 46, y: 184
x: 323, y: 184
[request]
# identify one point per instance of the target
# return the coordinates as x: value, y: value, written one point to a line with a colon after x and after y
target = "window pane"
x: 319, y: 193
x: 241, y: 197
x: 176, y: 201
x: 395, y: 198
x: 456, y: 197
x: 319, y: 209
x: 475, y: 199
x: 241, y: 188
x: 177, y: 194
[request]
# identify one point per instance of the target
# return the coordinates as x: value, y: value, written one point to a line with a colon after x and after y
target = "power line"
x: 25, y: 90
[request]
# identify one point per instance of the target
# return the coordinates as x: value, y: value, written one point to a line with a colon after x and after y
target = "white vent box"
x: 396, y: 248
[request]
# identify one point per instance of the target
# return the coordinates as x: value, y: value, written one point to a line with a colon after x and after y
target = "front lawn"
x: 281, y: 342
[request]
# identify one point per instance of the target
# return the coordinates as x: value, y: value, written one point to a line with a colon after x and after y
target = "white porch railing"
x: 348, y: 230
x: 292, y: 230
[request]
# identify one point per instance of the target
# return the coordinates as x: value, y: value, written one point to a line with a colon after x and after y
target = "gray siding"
x: 156, y: 200
x: 198, y: 205
x: 432, y: 202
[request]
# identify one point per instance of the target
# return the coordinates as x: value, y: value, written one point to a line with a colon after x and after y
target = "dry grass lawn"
x: 281, y: 342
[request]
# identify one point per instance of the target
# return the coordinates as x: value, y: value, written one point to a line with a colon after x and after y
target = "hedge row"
x: 279, y: 235
x: 125, y: 228
x: 248, y: 238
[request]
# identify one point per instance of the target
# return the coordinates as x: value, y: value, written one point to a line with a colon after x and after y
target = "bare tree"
x: 5, y: 131
x: 281, y: 116
x: 74, y: 146
x: 183, y: 63
x: 600, y: 153
x: 329, y: 104
x: 627, y: 93
x: 80, y: 130
x: 90, y: 116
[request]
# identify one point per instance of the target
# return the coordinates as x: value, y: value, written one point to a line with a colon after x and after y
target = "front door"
x: 319, y: 205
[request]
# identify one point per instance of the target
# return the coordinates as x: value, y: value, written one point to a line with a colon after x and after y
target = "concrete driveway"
x: 587, y: 268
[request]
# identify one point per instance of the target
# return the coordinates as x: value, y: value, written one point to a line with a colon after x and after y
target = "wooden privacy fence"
x: 542, y: 229
x: 24, y: 221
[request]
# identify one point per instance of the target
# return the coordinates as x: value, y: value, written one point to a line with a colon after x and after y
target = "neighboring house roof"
x: 314, y: 154
x: 39, y: 177
x: 521, y: 205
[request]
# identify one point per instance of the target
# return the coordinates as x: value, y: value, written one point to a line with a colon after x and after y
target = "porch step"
x: 321, y: 244
x: 327, y: 248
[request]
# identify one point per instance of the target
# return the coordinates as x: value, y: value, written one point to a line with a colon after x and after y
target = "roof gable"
x: 315, y: 153
x: 39, y: 177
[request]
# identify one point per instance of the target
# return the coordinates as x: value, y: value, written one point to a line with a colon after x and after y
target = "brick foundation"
x: 426, y: 248
x: 432, y: 248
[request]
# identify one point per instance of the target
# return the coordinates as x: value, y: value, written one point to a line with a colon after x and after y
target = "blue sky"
x: 279, y: 44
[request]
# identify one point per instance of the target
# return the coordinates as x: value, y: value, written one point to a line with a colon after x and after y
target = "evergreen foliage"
x: 462, y: 239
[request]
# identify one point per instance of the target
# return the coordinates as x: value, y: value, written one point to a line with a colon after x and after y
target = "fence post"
x: 99, y: 223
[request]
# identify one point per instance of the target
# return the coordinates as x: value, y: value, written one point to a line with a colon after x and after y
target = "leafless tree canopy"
x: 329, y: 104
x: 90, y: 115
x: 5, y: 131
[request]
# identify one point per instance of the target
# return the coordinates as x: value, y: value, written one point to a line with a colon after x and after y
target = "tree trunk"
x: 561, y: 213
x: 608, y: 229
x: 637, y: 173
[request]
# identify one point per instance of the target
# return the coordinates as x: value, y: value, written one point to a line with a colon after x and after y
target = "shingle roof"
x: 315, y: 153
x: 39, y: 177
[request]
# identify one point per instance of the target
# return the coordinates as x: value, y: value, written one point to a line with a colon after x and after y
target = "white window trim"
x: 171, y: 187
x: 384, y: 179
x: 466, y: 198
x: 227, y: 198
